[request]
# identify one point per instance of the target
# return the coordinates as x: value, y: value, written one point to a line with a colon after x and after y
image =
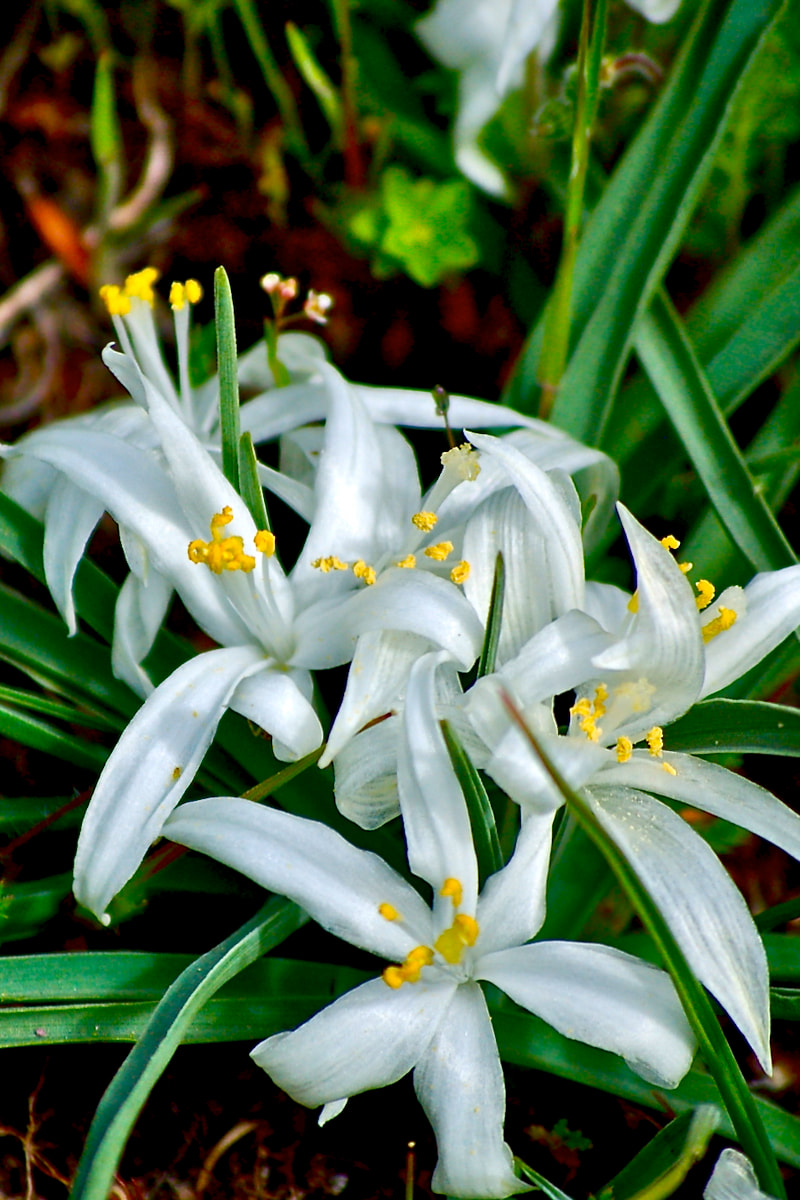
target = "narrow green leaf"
x: 41, y: 735
x: 481, y: 816
x: 778, y: 914
x: 133, y: 1082
x: 539, y: 1182
x: 20, y: 813
x: 715, y: 1050
x: 737, y: 727
x: 54, y: 708
x: 250, y: 487
x: 317, y: 80
x: 668, y: 357
x: 25, y: 907
x: 106, y: 138
x: 785, y: 1004
x: 494, y: 619
x: 228, y: 379
x: 663, y: 1164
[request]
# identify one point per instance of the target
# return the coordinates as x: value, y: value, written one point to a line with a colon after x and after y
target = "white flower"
x: 733, y: 1178
x: 428, y: 1013
x: 488, y: 41
x: 273, y: 628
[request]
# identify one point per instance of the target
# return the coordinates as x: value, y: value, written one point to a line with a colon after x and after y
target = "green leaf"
x: 317, y: 80
x: 737, y: 727
x: 25, y: 907
x: 639, y: 222
x: 785, y: 1004
x: 665, y: 1161
x: 251, y: 490
x: 133, y: 1082
x: 228, y: 379
x: 494, y: 619
x: 669, y: 359
x: 41, y: 735
x: 539, y: 1182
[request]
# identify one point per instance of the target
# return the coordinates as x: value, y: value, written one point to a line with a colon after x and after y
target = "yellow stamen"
x: 115, y: 300
x: 393, y: 977
x: 331, y: 563
x: 726, y: 618
x: 181, y: 294
x: 388, y: 912
x: 468, y: 928
x: 362, y: 571
x: 265, y: 542
x: 668, y: 767
x: 590, y: 712
x: 463, y: 460
x: 408, y: 562
x: 655, y: 741
x: 409, y: 972
x: 452, y: 888
x: 633, y: 603
x: 221, y: 553
x: 424, y: 521
x: 451, y: 942
x: 460, y: 572
x: 440, y: 551
x: 706, y: 591
x: 685, y: 567
x: 140, y: 285
x: 624, y: 749
x: 669, y: 542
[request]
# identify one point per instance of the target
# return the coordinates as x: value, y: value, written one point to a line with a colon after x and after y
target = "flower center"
x: 223, y: 553
x: 449, y: 945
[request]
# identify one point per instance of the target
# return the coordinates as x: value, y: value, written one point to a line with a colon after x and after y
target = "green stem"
x: 353, y: 161
x: 559, y: 312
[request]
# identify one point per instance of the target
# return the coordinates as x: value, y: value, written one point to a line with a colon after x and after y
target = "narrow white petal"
x: 376, y: 683
x: 602, y: 997
x: 772, y: 612
x: 733, y: 1178
x: 657, y: 11
x: 712, y: 788
x: 459, y: 1083
x: 277, y: 701
x: 366, y: 776
x: 138, y: 615
x: 70, y: 520
x: 150, y: 768
x: 517, y: 769
x: 369, y: 1038
x: 511, y: 906
x: 553, y: 517
x: 340, y: 886
x: 437, y: 826
x: 704, y: 910
x: 267, y: 416
x: 556, y: 659
x: 528, y: 23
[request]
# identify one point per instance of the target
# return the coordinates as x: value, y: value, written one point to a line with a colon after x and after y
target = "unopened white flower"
x: 733, y: 1178
x: 427, y: 1012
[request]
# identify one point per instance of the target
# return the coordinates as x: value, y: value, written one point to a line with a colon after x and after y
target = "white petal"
x: 276, y: 700
x: 340, y: 886
x: 138, y: 615
x: 656, y: 10
x: 511, y: 905
x: 459, y: 1083
x: 556, y: 659
x: 376, y: 683
x: 369, y: 1038
x: 150, y: 768
x: 714, y: 789
x: 437, y: 826
x: 71, y: 517
x: 772, y: 612
x: 733, y: 1178
x: 366, y: 776
x: 704, y: 910
x: 517, y: 769
x: 528, y: 23
x: 552, y: 516
x: 602, y: 997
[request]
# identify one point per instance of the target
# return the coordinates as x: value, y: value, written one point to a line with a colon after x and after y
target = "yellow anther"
x: 388, y: 912
x: 624, y: 749
x: 462, y: 460
x: 668, y: 767
x: 408, y: 562
x: 265, y: 542
x: 706, y: 595
x: 221, y: 553
x: 115, y: 300
x: 460, y: 572
x: 451, y: 942
x: 468, y: 928
x: 440, y: 551
x: 633, y: 603
x: 424, y: 521
x: 140, y: 285
x: 330, y: 563
x: 655, y: 741
x: 685, y: 567
x: 600, y: 697
x: 362, y: 571
x: 726, y: 618
x: 409, y: 972
x: 669, y: 542
x: 181, y: 294
x: 590, y: 711
x: 452, y: 888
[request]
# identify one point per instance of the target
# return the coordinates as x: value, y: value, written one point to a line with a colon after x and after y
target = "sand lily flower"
x: 272, y: 628
x: 427, y: 1012
x: 488, y: 41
